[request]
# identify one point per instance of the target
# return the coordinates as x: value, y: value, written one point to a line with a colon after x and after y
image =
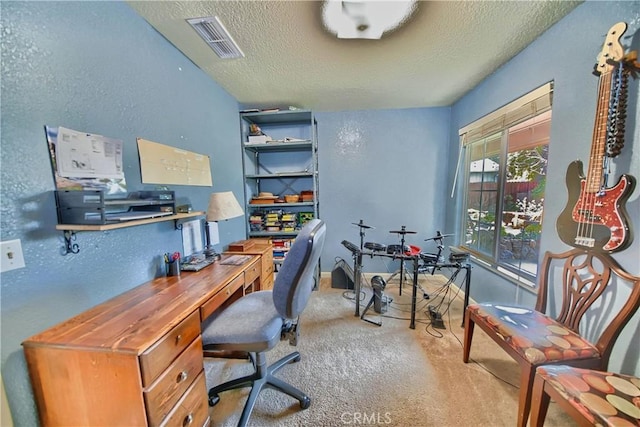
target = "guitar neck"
x: 595, y: 172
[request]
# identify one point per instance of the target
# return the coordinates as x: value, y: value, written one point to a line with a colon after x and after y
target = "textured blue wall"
x: 566, y: 54
x: 100, y: 68
x: 386, y: 167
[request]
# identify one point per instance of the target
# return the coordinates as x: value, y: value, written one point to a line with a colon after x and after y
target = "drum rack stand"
x: 455, y: 262
x: 402, y: 232
x: 357, y: 261
x: 407, y: 277
x: 467, y: 279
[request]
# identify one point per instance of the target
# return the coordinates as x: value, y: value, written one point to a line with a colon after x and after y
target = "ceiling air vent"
x: 217, y: 37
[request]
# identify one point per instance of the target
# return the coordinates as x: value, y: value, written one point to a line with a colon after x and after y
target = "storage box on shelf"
x: 280, y: 248
x: 94, y: 207
x: 93, y: 210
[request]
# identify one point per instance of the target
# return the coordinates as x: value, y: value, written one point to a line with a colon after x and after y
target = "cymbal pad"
x: 362, y: 225
x: 439, y: 237
x: 402, y: 232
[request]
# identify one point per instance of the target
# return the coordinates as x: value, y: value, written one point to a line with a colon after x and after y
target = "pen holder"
x: 173, y: 268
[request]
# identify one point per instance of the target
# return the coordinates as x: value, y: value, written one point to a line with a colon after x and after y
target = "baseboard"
x: 327, y: 275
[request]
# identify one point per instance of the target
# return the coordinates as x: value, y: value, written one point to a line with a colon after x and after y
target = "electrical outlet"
x: 11, y: 255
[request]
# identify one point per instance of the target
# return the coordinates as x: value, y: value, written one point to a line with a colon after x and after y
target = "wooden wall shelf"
x: 70, y: 229
x: 124, y: 224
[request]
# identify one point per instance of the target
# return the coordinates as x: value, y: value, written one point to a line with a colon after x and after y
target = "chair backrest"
x: 586, y: 275
x: 296, y: 277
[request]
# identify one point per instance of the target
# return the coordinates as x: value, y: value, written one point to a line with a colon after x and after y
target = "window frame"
x: 532, y: 104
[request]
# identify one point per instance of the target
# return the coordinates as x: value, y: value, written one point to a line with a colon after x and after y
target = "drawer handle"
x: 178, y: 339
x: 182, y: 376
x: 187, y: 420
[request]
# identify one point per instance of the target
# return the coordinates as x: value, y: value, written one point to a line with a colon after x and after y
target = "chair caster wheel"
x: 305, y: 402
x: 214, y: 399
x: 296, y: 359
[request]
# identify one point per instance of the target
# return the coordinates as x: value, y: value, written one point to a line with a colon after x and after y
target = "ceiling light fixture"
x: 362, y: 19
x: 214, y: 33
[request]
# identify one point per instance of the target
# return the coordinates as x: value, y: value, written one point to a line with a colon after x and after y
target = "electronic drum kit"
x: 402, y: 252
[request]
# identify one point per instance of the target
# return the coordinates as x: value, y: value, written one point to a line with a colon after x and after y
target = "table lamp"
x: 222, y: 206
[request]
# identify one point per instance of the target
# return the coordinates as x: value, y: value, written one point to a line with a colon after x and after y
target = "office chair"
x: 256, y: 322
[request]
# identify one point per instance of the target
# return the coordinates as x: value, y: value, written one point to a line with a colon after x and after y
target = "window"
x: 505, y: 158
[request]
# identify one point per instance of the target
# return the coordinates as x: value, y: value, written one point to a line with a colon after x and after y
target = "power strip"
x: 436, y: 318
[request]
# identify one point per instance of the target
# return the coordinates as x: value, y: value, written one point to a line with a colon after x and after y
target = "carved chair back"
x: 585, y: 278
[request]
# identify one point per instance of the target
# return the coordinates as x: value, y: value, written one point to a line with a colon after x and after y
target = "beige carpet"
x: 357, y: 373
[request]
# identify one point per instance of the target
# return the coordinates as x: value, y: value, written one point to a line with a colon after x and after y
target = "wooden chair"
x: 590, y: 397
x: 576, y: 279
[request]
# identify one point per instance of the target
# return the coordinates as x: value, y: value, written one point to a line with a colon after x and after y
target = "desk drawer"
x: 267, y: 263
x: 193, y: 409
x: 157, y: 357
x: 163, y: 394
x: 266, y: 283
x: 218, y: 299
x: 252, y: 272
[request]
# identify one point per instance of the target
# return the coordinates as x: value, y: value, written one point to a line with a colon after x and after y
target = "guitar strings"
x: 593, y: 183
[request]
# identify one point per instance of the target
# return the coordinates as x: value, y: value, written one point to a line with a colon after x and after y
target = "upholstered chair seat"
x: 591, y: 397
x: 236, y: 332
x: 537, y: 337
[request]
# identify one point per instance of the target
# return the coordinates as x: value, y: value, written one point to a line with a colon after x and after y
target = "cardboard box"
x: 258, y: 139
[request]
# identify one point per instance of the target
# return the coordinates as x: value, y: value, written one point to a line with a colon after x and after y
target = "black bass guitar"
x: 595, y: 217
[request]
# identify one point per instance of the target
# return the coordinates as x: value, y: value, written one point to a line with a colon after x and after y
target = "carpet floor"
x: 357, y: 373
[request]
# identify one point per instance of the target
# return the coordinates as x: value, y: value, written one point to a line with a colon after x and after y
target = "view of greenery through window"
x: 506, y: 177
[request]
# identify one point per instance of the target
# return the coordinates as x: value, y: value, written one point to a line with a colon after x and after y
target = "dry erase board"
x: 163, y: 164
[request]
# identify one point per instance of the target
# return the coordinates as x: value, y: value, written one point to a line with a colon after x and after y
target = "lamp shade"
x: 223, y: 206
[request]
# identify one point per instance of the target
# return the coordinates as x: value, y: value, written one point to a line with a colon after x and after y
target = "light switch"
x: 11, y: 255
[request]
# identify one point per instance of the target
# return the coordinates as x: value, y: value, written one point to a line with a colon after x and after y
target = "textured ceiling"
x: 444, y: 50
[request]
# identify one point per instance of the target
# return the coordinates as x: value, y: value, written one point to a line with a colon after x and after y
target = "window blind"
x: 533, y: 103
x: 530, y: 105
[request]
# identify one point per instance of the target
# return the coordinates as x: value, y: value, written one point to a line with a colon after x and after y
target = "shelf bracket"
x: 178, y: 222
x: 70, y: 246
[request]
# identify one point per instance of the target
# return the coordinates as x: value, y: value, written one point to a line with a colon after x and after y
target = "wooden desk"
x: 135, y: 360
x: 263, y: 248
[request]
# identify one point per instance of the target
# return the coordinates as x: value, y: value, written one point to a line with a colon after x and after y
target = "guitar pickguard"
x: 601, y: 208
x: 596, y: 221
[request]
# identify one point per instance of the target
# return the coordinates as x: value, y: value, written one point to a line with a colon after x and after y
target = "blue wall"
x: 100, y: 68
x: 384, y: 167
x: 96, y: 67
x: 565, y: 54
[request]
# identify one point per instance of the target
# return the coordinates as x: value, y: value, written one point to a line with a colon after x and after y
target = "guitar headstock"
x: 612, y: 50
